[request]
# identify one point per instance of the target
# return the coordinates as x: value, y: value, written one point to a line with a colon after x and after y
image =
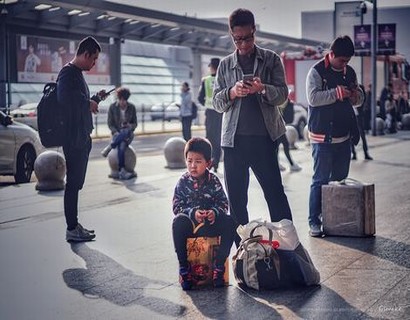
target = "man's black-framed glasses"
x: 245, y: 40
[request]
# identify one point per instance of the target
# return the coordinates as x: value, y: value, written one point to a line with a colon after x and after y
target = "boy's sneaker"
x: 185, y: 278
x: 106, y: 151
x: 218, y: 276
x: 315, y: 230
x: 78, y: 235
x: 295, y: 167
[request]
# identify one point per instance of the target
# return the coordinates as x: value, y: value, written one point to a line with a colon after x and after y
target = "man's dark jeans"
x: 330, y: 163
x: 76, y: 164
x: 260, y: 154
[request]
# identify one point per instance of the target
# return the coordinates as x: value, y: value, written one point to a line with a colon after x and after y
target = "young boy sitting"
x: 200, y: 198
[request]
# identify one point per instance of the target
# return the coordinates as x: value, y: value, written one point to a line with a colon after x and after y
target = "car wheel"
x: 301, y: 127
x: 25, y: 164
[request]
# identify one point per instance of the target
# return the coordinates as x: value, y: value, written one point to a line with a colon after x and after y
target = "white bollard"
x: 292, y: 136
x: 306, y: 134
x: 50, y: 170
x: 130, y: 162
x: 174, y: 153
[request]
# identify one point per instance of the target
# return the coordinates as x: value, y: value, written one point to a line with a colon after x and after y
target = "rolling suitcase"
x: 348, y: 209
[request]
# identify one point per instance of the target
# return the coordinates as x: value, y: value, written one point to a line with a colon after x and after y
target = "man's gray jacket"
x: 268, y: 67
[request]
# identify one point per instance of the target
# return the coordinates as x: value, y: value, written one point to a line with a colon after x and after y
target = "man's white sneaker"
x: 78, y: 235
x: 295, y: 167
x: 125, y: 175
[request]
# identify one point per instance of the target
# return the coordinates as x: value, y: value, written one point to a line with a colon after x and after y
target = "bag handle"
x: 273, y: 243
x: 347, y: 181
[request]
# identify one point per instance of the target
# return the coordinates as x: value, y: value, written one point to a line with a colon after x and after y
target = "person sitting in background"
x: 122, y: 121
x: 391, y: 114
x: 199, y: 198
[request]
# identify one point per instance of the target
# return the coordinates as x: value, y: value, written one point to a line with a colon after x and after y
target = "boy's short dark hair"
x: 90, y: 45
x: 199, y: 145
x: 240, y: 18
x: 342, y: 46
x: 123, y: 93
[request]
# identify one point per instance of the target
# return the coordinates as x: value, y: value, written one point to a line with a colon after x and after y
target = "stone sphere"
x: 380, y: 125
x: 306, y: 134
x: 174, y: 153
x: 405, y: 121
x: 50, y: 170
x: 130, y: 161
x: 292, y: 136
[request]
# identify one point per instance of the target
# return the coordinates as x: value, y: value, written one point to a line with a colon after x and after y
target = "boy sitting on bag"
x: 199, y: 198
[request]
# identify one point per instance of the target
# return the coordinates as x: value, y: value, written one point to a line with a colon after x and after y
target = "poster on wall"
x: 40, y: 59
x: 362, y: 40
x: 386, y: 39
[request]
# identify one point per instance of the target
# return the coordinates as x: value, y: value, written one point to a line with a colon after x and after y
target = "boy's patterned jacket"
x: 191, y: 194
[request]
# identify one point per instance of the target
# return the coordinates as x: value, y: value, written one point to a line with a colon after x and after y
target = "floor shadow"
x: 387, y: 249
x: 104, y: 278
x: 229, y: 303
x: 315, y: 302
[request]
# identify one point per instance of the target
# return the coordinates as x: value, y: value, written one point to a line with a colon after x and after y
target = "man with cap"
x: 213, y: 119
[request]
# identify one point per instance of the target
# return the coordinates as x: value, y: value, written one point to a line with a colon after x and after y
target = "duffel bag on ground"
x: 259, y: 263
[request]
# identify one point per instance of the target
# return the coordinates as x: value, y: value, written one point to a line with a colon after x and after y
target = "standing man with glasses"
x: 251, y: 123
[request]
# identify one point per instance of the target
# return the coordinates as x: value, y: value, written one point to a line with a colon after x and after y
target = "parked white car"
x: 20, y: 146
x: 168, y: 113
x: 27, y: 114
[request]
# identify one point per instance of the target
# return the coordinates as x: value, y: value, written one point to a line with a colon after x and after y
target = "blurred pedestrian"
x: 251, y: 124
x: 288, y: 114
x: 74, y: 96
x: 386, y: 91
x: 186, y: 111
x: 122, y: 121
x: 213, y: 119
x: 359, y: 112
x: 332, y: 90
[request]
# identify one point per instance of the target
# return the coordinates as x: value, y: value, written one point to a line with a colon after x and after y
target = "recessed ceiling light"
x: 42, y: 7
x: 73, y: 12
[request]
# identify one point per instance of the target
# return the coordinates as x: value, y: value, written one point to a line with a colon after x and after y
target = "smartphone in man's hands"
x: 248, y: 79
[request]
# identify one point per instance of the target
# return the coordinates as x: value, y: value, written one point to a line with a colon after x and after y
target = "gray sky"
x: 276, y: 16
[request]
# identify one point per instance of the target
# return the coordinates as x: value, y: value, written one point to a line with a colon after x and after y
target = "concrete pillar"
x: 50, y: 170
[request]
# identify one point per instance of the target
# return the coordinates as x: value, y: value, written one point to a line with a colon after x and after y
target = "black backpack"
x: 51, y: 122
x: 194, y: 110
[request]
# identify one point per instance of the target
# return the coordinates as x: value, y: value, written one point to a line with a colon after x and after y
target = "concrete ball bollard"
x: 405, y: 121
x: 174, y: 153
x: 50, y: 170
x: 306, y: 134
x: 292, y: 136
x: 130, y: 162
x: 380, y: 126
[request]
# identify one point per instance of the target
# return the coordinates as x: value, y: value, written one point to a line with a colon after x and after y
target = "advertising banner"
x: 362, y: 40
x: 39, y: 60
x: 386, y: 39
